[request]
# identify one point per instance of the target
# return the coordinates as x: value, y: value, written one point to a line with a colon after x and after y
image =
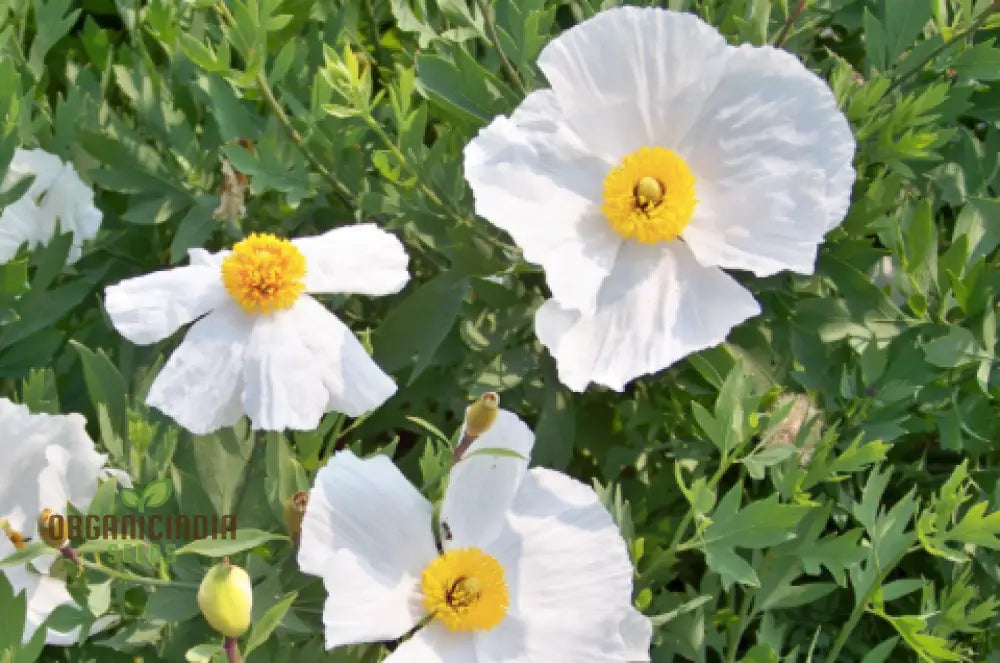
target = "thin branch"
x: 494, y: 33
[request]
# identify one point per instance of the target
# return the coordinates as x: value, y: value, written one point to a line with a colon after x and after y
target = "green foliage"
x: 871, y: 533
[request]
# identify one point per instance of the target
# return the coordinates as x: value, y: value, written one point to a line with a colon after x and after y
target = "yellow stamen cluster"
x: 264, y: 273
x: 650, y: 196
x: 466, y: 590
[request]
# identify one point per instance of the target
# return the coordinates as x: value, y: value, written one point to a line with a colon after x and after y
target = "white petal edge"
x: 200, y: 385
x: 362, y: 259
x: 568, y: 571
x: 482, y: 487
x: 634, y: 77
x: 533, y: 177
x: 150, y: 308
x: 773, y: 160
x: 367, y: 533
x: 657, y: 306
x: 637, y: 632
x: 436, y: 644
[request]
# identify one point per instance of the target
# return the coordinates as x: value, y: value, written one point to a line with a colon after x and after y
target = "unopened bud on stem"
x: 51, y: 529
x: 226, y: 599
x: 295, y: 511
x: 479, y: 418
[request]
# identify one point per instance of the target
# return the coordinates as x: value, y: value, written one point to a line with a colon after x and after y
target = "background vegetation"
x: 860, y: 528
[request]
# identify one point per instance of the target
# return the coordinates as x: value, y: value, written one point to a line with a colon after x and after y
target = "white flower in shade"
x: 660, y: 156
x: 57, y: 200
x: 260, y: 345
x: 49, y: 462
x: 533, y: 568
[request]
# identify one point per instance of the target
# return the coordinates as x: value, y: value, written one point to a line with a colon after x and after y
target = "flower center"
x: 465, y: 589
x: 264, y: 273
x: 650, y: 196
x: 13, y: 535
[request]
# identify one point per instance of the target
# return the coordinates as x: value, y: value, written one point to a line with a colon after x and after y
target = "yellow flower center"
x: 465, y: 589
x: 13, y: 535
x: 264, y: 273
x: 650, y: 196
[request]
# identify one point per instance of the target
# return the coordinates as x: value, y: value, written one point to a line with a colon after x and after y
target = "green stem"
x: 341, y: 189
x: 852, y: 621
x: 128, y: 576
x: 494, y: 33
x: 792, y: 17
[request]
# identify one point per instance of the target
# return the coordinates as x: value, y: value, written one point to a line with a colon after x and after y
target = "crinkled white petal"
x: 329, y: 362
x: 532, y: 176
x: 367, y: 533
x: 568, y: 572
x: 49, y: 460
x: 44, y: 595
x: 657, y: 306
x: 56, y: 199
x: 630, y: 77
x: 201, y: 383
x: 434, y: 643
x: 482, y: 487
x: 361, y: 259
x: 550, y: 639
x: 637, y: 632
x: 772, y: 156
x: 150, y: 308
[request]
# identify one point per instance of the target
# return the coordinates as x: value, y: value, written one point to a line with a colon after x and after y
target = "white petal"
x: 200, y: 385
x: 367, y: 533
x: 435, y: 644
x: 568, y: 571
x: 772, y: 156
x: 150, y: 308
x: 631, y: 77
x: 637, y: 632
x: 327, y: 360
x: 533, y: 177
x: 482, y: 487
x: 48, y: 460
x: 658, y: 306
x: 360, y: 259
x: 43, y: 594
x: 56, y: 198
x: 550, y: 639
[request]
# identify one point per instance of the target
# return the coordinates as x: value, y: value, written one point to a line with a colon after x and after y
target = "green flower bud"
x: 226, y: 598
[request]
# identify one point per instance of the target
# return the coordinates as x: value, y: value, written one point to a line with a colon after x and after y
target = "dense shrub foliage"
x: 821, y: 487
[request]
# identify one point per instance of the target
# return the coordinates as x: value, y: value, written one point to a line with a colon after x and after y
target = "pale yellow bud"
x: 226, y: 599
x: 295, y: 511
x: 52, y: 530
x: 479, y: 416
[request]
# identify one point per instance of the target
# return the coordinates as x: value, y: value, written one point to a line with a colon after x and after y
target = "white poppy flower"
x: 260, y: 344
x: 49, y: 461
x: 57, y: 199
x: 659, y: 156
x: 533, y: 569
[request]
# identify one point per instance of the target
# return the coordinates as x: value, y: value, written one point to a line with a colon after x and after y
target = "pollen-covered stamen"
x: 13, y: 535
x: 650, y: 196
x: 465, y: 590
x: 264, y: 273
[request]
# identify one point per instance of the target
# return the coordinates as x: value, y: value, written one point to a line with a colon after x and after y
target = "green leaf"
x: 105, y: 386
x: 26, y: 554
x: 245, y: 539
x: 981, y: 62
x: 264, y: 627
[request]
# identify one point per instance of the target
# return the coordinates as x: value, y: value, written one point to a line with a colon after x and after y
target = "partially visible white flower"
x: 260, y: 345
x: 534, y: 569
x: 49, y: 461
x: 56, y: 201
x: 660, y: 156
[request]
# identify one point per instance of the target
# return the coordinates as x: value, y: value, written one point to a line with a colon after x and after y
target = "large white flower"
x: 659, y: 156
x: 49, y: 462
x: 534, y: 569
x: 57, y: 199
x: 261, y: 345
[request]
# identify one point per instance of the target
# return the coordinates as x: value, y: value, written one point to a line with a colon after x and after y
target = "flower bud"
x: 479, y: 416
x: 52, y: 529
x: 13, y: 535
x: 226, y: 598
x: 295, y: 511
